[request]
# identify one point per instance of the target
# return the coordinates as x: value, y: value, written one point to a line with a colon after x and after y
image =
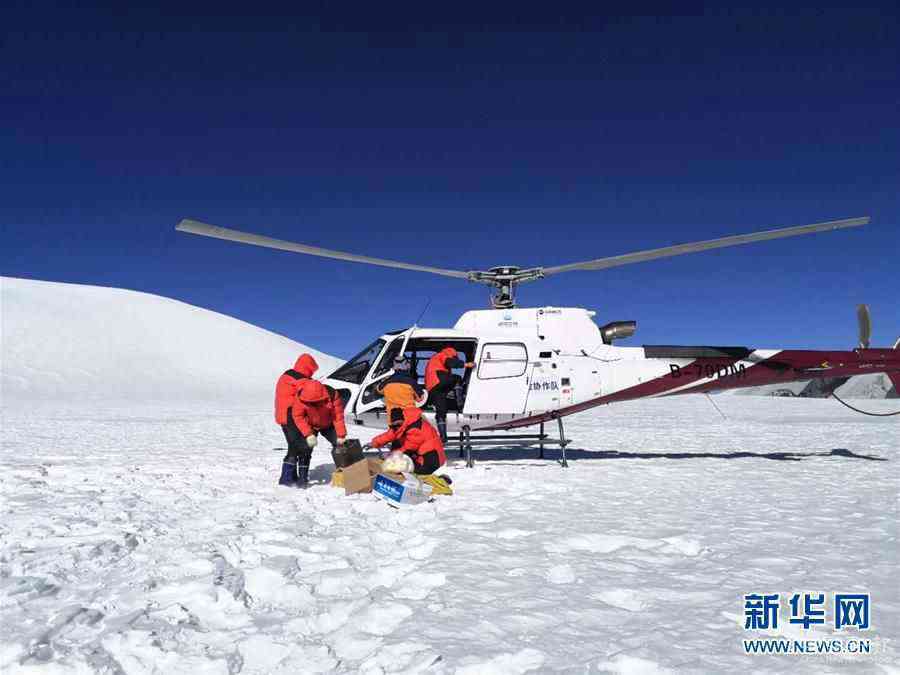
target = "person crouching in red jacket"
x: 411, y: 434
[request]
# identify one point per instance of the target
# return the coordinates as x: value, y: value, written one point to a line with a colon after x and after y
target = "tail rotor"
x: 865, y: 325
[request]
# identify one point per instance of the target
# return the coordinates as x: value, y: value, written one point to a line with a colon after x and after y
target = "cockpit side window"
x: 387, y: 361
x: 355, y: 370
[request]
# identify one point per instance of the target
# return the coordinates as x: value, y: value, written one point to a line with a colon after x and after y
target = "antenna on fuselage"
x: 422, y: 313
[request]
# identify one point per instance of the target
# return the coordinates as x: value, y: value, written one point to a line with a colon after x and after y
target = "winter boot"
x: 303, y: 469
x: 288, y: 474
x: 442, y: 430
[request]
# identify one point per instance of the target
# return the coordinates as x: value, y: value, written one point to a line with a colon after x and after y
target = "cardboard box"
x: 359, y: 476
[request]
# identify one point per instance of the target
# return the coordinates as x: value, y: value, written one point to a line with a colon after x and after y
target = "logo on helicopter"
x: 507, y: 321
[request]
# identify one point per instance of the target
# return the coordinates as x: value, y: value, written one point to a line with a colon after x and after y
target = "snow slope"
x: 63, y: 343
x: 157, y: 542
x: 875, y: 385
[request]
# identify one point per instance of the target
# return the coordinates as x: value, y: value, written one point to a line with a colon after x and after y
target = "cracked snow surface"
x: 154, y: 540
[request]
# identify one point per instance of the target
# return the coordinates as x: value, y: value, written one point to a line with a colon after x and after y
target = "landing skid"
x: 467, y: 443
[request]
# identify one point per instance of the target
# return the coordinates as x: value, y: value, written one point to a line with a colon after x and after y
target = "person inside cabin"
x: 402, y: 389
x: 304, y: 408
x: 411, y: 434
x: 440, y: 382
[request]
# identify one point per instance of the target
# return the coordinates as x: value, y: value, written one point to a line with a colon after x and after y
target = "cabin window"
x: 502, y: 359
x: 354, y: 371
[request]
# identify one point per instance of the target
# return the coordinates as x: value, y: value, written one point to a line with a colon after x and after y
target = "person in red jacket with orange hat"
x: 316, y: 409
x: 411, y: 434
x: 440, y: 381
x: 303, y: 410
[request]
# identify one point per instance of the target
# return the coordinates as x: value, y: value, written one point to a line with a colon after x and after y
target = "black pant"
x: 297, y: 447
x: 430, y: 462
x: 437, y: 397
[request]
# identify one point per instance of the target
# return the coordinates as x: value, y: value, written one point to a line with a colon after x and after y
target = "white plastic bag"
x: 398, y: 462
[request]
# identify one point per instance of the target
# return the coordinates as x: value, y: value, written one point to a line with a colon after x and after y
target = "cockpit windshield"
x: 354, y: 371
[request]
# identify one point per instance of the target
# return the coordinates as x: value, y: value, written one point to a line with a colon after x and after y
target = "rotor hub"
x: 505, y: 278
x: 505, y: 270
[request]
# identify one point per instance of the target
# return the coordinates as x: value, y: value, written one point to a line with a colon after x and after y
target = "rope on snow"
x: 863, y: 412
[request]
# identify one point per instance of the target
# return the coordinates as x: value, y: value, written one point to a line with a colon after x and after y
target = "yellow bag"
x: 337, y: 479
x: 439, y: 486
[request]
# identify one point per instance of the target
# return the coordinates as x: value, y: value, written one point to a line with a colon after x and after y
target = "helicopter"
x: 536, y: 365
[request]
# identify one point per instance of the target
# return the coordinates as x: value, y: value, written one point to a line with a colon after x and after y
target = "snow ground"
x: 154, y: 540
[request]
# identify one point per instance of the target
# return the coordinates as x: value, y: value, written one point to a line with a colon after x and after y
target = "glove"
x: 340, y: 440
x: 311, y: 441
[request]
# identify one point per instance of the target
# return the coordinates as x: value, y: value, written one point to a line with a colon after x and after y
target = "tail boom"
x: 699, y: 370
x: 788, y: 365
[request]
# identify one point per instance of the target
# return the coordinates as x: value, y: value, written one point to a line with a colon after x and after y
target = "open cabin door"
x: 369, y: 399
x: 499, y: 384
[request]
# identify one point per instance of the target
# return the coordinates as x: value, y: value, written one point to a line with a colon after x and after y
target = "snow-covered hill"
x: 67, y: 342
x: 876, y: 385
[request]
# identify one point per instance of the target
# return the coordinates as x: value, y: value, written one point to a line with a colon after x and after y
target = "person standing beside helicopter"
x: 303, y: 407
x: 440, y: 381
x: 285, y: 390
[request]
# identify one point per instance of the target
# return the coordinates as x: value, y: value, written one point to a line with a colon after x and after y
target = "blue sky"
x: 550, y: 139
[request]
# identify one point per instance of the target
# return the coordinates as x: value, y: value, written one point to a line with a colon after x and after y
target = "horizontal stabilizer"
x: 681, y: 352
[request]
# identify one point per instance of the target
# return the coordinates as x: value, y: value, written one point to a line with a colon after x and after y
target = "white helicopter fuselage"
x: 528, y: 362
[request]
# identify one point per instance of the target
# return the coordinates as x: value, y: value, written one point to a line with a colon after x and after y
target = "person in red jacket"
x: 286, y: 390
x: 411, y: 434
x: 440, y: 381
x: 316, y: 409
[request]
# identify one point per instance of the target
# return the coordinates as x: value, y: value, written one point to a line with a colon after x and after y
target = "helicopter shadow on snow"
x: 499, y: 456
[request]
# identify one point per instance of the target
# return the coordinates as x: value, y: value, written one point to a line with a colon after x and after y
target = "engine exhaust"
x: 617, y: 330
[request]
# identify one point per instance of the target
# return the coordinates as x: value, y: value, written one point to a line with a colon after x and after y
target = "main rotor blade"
x: 681, y: 249
x: 206, y: 230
